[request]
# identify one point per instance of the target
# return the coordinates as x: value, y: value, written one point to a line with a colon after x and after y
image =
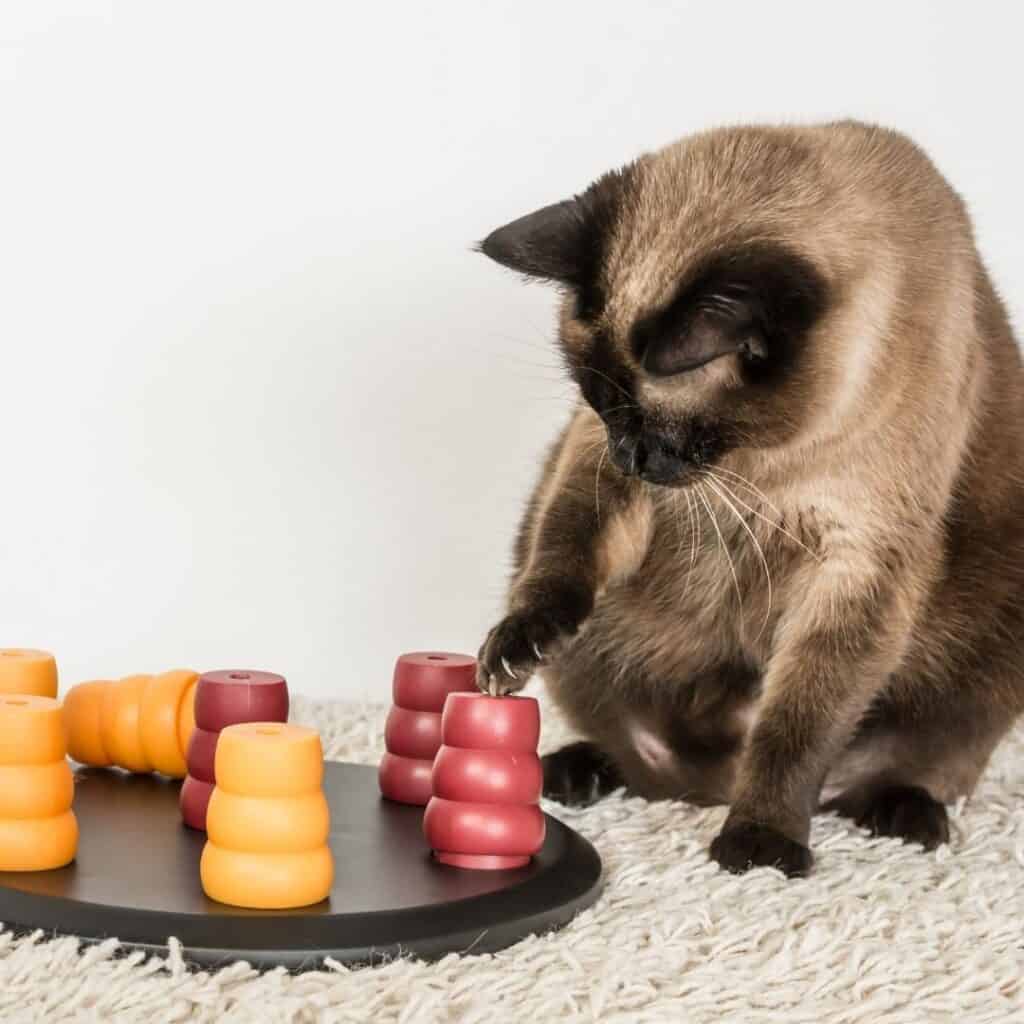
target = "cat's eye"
x: 704, y: 337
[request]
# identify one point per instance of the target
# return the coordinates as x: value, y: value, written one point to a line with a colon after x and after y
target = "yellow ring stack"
x: 267, y: 822
x: 38, y: 830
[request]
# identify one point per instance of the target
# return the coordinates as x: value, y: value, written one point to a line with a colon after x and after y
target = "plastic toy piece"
x: 165, y: 713
x: 415, y: 734
x: 405, y: 779
x: 412, y: 734
x: 201, y: 753
x: 38, y: 830
x: 268, y: 821
x: 231, y: 696
x: 492, y: 723
x: 119, y: 723
x: 28, y: 671
x: 224, y: 698
x: 141, y: 723
x: 423, y: 680
x: 487, y: 776
x: 193, y: 801
x: 82, y: 719
x: 486, y: 782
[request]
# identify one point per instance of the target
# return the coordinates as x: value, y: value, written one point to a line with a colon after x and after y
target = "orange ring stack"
x: 140, y: 723
x: 38, y: 830
x: 267, y: 822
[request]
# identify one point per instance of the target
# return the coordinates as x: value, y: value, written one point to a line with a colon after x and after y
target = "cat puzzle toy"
x: 38, y: 830
x: 487, y: 781
x: 267, y: 822
x: 261, y: 884
x: 412, y: 733
x: 223, y: 698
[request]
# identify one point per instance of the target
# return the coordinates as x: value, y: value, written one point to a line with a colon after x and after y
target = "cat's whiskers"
x: 694, y: 547
x: 694, y: 533
x: 758, y: 548
x: 760, y: 515
x: 748, y: 484
x: 724, y: 547
x: 677, y: 519
x: 597, y: 485
x: 592, y: 447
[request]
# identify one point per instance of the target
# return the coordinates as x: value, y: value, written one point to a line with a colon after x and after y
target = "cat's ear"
x: 549, y: 243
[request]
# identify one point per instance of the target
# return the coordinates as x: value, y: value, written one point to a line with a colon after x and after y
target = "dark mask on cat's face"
x: 684, y: 348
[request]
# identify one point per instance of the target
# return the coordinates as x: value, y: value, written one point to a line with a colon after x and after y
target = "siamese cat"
x: 776, y: 557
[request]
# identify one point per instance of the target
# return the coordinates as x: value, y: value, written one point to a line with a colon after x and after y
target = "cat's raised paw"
x: 909, y: 813
x: 512, y: 652
x: 745, y: 845
x: 526, y: 639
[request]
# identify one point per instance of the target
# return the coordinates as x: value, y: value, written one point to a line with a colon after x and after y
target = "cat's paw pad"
x: 513, y: 650
x: 740, y: 847
x: 909, y: 813
x: 578, y: 775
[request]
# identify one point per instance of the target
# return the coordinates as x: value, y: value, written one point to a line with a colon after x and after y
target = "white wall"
x: 259, y: 403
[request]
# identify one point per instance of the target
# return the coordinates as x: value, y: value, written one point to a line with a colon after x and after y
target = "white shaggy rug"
x: 879, y: 933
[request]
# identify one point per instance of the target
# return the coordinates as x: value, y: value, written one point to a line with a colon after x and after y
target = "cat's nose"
x: 657, y: 461
x: 647, y: 455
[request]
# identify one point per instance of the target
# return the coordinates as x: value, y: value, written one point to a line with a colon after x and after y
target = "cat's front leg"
x: 587, y: 525
x: 833, y: 654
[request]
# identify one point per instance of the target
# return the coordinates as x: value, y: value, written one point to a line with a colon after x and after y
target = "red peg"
x: 412, y: 735
x: 223, y: 698
x: 486, y: 783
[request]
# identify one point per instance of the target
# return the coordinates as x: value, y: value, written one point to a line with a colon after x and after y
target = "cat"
x: 776, y: 558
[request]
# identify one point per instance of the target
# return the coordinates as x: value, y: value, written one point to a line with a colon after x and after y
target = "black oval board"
x: 136, y: 878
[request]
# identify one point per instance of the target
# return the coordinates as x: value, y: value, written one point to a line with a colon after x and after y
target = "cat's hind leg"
x: 579, y: 774
x: 909, y: 813
x: 904, y: 767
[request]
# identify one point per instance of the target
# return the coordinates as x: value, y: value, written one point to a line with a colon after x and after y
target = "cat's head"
x: 694, y: 298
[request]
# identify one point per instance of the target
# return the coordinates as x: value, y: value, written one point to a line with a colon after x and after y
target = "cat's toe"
x: 909, y: 813
x: 579, y: 774
x: 745, y: 845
